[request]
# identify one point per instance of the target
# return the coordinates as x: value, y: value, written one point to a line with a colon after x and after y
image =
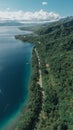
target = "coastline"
x: 35, y: 92
x: 35, y: 99
x: 10, y: 124
x: 55, y: 50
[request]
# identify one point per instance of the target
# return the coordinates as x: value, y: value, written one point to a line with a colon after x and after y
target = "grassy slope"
x: 55, y: 47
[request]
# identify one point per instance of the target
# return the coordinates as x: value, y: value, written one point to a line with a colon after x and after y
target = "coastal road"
x: 40, y: 73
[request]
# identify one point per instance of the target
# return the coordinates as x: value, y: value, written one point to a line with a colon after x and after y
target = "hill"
x: 54, y: 43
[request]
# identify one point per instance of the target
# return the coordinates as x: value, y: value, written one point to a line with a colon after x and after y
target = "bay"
x: 15, y: 70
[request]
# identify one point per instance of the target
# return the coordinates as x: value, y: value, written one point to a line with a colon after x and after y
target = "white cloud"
x: 29, y: 16
x: 8, y: 9
x: 44, y: 3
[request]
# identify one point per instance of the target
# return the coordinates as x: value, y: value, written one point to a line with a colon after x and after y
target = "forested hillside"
x: 54, y: 43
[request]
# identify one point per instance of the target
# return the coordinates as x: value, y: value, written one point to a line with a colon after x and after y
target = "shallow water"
x: 15, y: 68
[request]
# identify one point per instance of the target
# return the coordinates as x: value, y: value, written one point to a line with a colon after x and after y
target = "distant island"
x: 50, y: 105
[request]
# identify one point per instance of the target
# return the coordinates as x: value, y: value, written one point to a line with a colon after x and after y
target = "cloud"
x: 44, y: 3
x: 8, y: 9
x: 40, y: 15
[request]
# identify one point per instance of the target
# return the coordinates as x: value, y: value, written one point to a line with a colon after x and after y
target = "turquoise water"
x: 15, y: 69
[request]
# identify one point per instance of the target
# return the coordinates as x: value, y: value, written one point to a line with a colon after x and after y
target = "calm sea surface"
x: 15, y: 69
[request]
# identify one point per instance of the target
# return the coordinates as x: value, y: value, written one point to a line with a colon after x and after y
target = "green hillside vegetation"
x: 54, y: 43
x: 30, y: 114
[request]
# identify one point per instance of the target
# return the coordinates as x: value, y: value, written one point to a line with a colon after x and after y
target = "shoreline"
x: 54, y: 45
x: 10, y: 124
x: 25, y: 111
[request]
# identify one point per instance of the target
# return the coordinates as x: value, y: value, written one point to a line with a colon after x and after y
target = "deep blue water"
x: 15, y: 69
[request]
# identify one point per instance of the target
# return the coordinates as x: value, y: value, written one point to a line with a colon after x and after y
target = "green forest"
x: 54, y: 42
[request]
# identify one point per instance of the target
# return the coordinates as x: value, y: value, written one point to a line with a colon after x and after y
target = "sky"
x: 35, y: 10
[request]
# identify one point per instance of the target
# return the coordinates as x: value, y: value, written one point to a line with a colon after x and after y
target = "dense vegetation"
x: 54, y: 43
x: 30, y: 114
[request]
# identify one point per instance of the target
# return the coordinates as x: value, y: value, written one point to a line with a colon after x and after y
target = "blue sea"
x: 15, y: 71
